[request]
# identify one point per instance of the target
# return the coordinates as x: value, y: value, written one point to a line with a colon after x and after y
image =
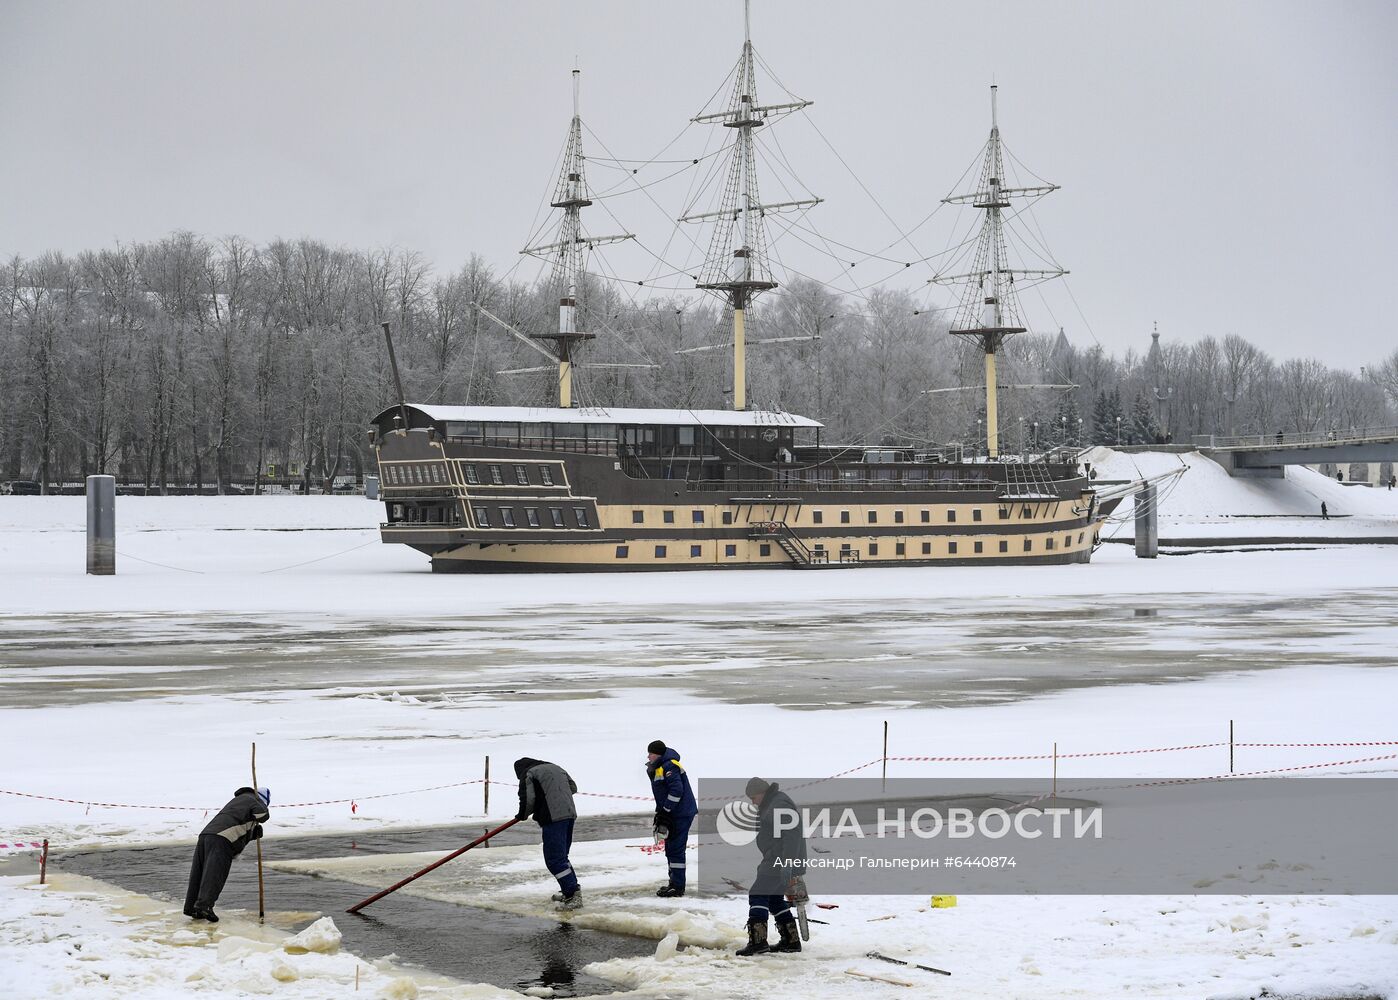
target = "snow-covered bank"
x: 1206, y: 502
x: 81, y: 938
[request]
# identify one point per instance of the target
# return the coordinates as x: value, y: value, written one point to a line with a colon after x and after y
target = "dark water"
x: 463, y: 942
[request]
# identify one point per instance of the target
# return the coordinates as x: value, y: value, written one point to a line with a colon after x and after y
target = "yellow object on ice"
x: 943, y: 902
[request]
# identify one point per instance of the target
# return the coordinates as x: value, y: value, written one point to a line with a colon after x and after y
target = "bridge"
x: 1265, y: 456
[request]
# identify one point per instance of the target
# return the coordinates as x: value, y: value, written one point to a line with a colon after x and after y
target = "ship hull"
x: 479, y: 509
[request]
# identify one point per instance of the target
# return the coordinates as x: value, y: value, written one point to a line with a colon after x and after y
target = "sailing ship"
x: 596, y: 488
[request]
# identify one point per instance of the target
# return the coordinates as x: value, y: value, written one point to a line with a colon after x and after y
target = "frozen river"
x: 818, y: 656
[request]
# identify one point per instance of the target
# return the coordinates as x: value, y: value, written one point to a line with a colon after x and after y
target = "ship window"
x: 873, y: 517
x: 1026, y: 512
x: 951, y: 548
x: 471, y: 476
x: 727, y: 517
x: 873, y: 548
x: 1048, y: 543
x: 927, y: 548
x: 660, y: 552
x: 638, y: 517
x: 581, y: 514
x: 482, y: 517
x: 1067, y: 540
x: 531, y: 515
x: 697, y: 516
x: 730, y: 551
x: 976, y: 514
x: 900, y: 549
x: 668, y: 517
x: 416, y: 473
x: 1029, y: 545
x: 521, y: 475
x: 764, y: 550
x: 557, y: 514
x: 1004, y: 546
x: 1095, y: 535
x: 495, y: 476
x: 695, y: 551
x: 622, y: 551
x: 926, y: 517
x: 844, y: 548
x: 820, y: 548
x: 980, y: 547
x: 545, y: 475
x: 817, y: 517
x: 1080, y: 534
x: 844, y: 517
x: 507, y: 516
x: 1004, y: 513
x: 685, y: 435
x: 897, y: 517
x: 951, y: 516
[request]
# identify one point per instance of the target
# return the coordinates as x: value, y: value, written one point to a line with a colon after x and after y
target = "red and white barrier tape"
x: 23, y: 845
x: 353, y: 801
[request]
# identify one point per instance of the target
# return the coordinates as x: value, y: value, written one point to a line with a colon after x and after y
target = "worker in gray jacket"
x: 237, y: 824
x: 546, y: 793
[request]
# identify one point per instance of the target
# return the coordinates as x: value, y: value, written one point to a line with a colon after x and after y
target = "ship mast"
x: 989, y: 308
x: 741, y: 274
x: 567, y: 251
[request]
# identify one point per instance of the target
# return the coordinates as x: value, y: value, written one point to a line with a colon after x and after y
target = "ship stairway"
x: 801, y: 555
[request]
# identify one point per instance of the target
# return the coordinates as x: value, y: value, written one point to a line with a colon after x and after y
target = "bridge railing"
x: 1298, y: 439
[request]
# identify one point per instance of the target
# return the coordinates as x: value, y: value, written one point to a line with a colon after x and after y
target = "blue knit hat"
x: 265, y: 794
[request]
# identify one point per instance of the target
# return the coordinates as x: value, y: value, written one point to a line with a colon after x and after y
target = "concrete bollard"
x: 101, y: 526
x: 1147, y: 524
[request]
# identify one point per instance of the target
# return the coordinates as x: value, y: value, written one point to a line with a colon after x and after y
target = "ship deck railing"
x: 573, y: 446
x: 758, y: 486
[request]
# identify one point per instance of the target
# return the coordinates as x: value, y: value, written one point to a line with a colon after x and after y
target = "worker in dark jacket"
x: 546, y: 793
x: 237, y: 824
x: 675, y: 809
x: 783, y: 854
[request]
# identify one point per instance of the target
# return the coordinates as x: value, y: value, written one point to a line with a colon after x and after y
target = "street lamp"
x: 1118, y: 430
x: 1078, y: 443
x: 1021, y: 439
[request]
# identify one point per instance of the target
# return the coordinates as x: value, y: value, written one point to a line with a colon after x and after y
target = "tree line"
x: 210, y: 364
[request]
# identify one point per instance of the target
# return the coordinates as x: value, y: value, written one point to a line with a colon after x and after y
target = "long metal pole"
x: 261, y: 889
x: 434, y: 865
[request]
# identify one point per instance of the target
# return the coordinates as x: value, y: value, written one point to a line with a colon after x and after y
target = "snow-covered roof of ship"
x: 614, y: 415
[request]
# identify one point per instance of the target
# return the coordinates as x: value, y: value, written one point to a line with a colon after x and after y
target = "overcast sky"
x: 1226, y: 166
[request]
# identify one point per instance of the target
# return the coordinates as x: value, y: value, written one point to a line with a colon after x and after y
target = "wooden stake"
x: 44, y: 862
x: 1055, y: 769
x: 884, y: 786
x: 878, y: 979
x: 487, y: 786
x: 356, y: 977
x: 1230, y: 746
x: 261, y: 887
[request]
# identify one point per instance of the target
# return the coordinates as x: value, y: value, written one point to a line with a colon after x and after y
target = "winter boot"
x: 757, y: 939
x: 208, y: 915
x: 669, y: 892
x: 573, y: 902
x: 790, y: 937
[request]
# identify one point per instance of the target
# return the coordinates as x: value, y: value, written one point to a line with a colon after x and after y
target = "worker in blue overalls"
x: 675, y: 809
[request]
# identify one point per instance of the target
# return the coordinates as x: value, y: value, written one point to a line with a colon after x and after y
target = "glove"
x: 257, y: 832
x: 664, y: 822
x: 521, y: 816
